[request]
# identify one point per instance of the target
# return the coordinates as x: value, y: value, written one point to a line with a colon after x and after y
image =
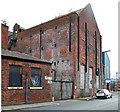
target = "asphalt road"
x: 111, y: 104
x: 96, y: 104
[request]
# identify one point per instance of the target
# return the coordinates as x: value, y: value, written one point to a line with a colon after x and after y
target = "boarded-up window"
x: 82, y: 76
x: 90, y: 77
x: 35, y: 77
x: 97, y: 81
x: 15, y: 77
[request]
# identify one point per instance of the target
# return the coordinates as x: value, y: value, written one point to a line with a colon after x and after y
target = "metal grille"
x: 15, y: 78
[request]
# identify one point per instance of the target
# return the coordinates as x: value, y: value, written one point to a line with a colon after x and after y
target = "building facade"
x: 73, y: 44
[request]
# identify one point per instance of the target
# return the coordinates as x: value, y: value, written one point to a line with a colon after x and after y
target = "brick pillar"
x: 4, y: 36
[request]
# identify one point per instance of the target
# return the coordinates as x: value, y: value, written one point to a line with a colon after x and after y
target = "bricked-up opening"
x: 15, y: 76
x: 70, y: 36
x: 35, y: 77
x: 95, y: 51
x: 86, y: 47
x: 78, y: 43
x: 82, y: 76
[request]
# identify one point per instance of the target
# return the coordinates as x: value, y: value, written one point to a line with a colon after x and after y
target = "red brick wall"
x: 11, y: 96
x: 51, y: 36
x: 4, y: 36
x: 57, y: 32
x: 87, y: 16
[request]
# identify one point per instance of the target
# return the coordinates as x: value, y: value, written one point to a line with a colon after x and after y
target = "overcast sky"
x: 29, y: 13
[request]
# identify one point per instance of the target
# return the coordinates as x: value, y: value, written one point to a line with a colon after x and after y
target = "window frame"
x: 32, y: 74
x: 20, y: 73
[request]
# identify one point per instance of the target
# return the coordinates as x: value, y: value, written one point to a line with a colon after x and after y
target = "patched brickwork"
x: 63, y: 42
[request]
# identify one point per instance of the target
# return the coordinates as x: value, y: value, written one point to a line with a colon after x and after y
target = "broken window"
x: 35, y: 77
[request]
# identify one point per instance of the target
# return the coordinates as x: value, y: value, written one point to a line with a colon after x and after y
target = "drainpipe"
x: 26, y: 95
x: 40, y: 41
x: 70, y: 35
x: 100, y: 63
x: 85, y: 47
x: 95, y: 52
x: 78, y: 43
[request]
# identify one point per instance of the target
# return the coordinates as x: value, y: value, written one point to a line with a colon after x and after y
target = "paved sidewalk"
x: 24, y: 106
x: 88, y: 98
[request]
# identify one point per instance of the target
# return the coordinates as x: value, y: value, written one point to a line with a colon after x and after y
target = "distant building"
x: 106, y: 66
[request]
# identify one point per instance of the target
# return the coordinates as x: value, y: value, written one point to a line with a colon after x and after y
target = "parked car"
x: 118, y: 89
x: 103, y: 93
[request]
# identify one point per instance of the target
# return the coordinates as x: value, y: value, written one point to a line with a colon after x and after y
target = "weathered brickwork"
x: 14, y: 96
x: 63, y: 42
x: 86, y: 16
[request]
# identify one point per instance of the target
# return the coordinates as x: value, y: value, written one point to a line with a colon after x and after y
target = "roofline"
x: 61, y: 16
x: 8, y: 54
x: 25, y: 60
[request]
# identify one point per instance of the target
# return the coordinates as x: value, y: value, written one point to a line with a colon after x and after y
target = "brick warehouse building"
x: 20, y: 71
x: 73, y: 43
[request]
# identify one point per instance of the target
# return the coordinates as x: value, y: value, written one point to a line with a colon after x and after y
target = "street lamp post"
x: 106, y: 51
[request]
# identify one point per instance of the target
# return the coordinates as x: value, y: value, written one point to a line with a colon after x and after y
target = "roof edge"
x: 18, y: 55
